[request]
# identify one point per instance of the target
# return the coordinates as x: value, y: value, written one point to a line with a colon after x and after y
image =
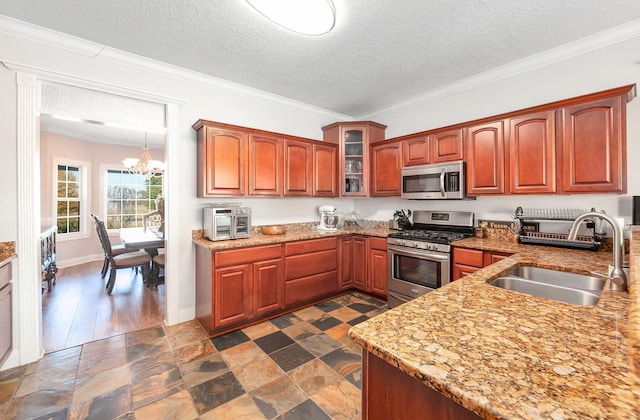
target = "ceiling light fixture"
x: 144, y: 166
x: 307, y: 17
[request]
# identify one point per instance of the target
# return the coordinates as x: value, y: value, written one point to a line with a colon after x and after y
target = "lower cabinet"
x: 6, y: 318
x: 369, y: 270
x: 389, y: 393
x: 311, y: 270
x: 378, y: 272
x: 467, y: 261
x: 237, y: 287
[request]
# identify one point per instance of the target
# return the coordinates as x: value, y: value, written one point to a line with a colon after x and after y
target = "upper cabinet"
x: 325, y: 170
x: 298, y: 166
x: 386, y: 169
x: 532, y: 153
x: 593, y: 146
x: 265, y: 168
x: 222, y: 155
x: 572, y: 146
x: 237, y: 161
x: 353, y: 140
x: 441, y: 146
x: 485, y: 159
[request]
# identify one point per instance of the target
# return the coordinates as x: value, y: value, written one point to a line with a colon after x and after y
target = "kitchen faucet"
x: 618, y: 277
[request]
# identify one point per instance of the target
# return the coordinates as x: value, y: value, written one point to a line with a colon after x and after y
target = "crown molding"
x: 593, y: 42
x: 71, y: 43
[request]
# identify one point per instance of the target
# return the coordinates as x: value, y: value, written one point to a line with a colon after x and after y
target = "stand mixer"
x: 328, y: 218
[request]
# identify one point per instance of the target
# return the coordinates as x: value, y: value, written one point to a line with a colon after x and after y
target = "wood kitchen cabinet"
x: 360, y: 262
x: 311, y: 270
x: 222, y: 156
x: 325, y: 170
x: 593, y: 146
x: 369, y: 264
x: 389, y: 393
x: 6, y: 312
x: 345, y: 262
x: 298, y: 157
x: 386, y: 169
x: 265, y: 165
x: 532, y: 153
x: 378, y: 263
x: 236, y: 287
x: 466, y: 261
x: 416, y: 150
x: 485, y: 151
x: 240, y: 161
x: 232, y: 295
x: 353, y: 140
x: 441, y: 146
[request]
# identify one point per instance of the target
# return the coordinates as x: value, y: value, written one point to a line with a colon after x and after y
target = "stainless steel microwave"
x: 220, y: 223
x: 436, y: 181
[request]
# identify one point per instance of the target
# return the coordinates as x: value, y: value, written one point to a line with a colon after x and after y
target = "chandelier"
x: 145, y: 166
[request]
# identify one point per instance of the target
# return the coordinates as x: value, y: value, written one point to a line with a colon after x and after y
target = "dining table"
x: 148, y: 239
x: 142, y: 238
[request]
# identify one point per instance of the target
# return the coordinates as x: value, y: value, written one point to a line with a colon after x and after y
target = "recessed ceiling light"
x: 308, y: 17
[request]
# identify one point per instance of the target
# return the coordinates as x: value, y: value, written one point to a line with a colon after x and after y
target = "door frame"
x: 28, y: 338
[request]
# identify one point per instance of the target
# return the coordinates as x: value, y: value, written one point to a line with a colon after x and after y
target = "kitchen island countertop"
x: 502, y: 354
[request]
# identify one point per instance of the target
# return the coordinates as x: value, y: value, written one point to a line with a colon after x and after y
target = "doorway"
x: 28, y: 296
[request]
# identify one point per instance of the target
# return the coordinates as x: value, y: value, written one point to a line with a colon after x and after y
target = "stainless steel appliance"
x: 226, y: 222
x: 437, y: 181
x: 420, y: 258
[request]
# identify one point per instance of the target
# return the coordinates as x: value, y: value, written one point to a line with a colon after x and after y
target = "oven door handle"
x: 442, y: 182
x: 425, y: 256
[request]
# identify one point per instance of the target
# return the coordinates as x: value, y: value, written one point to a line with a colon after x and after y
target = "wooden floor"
x: 78, y: 309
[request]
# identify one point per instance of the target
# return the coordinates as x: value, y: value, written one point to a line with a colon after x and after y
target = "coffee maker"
x: 328, y: 218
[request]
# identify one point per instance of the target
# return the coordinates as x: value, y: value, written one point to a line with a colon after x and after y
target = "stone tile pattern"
x: 298, y: 366
x: 503, y: 354
x: 295, y: 232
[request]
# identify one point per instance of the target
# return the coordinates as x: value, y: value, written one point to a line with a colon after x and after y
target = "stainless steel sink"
x: 562, y: 286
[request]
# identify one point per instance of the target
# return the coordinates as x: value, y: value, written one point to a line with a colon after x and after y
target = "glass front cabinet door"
x: 353, y: 139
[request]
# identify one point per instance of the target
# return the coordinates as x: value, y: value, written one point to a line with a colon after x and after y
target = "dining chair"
x: 156, y: 264
x: 115, y: 249
x: 153, y: 220
x: 127, y: 260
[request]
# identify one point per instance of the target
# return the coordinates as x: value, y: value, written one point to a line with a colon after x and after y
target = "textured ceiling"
x: 381, y: 52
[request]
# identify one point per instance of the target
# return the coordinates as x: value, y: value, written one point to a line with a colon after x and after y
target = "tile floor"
x: 298, y: 366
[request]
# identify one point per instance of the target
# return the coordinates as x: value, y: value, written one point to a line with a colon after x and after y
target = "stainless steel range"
x: 420, y: 258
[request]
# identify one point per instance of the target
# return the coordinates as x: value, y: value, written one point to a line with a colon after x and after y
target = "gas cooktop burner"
x: 429, y: 235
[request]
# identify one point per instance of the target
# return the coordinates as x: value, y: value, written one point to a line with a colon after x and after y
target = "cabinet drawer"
x: 297, y: 266
x: 472, y: 257
x: 378, y: 243
x: 247, y: 255
x: 5, y: 275
x: 309, y: 288
x: 313, y: 245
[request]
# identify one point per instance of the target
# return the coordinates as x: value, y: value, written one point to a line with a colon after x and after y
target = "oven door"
x: 424, y: 268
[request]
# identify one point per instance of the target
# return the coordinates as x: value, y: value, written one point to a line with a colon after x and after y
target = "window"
x: 129, y: 197
x: 70, y: 201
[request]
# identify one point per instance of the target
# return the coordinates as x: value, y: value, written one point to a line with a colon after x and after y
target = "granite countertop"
x: 295, y: 232
x: 507, y: 355
x: 7, y: 252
